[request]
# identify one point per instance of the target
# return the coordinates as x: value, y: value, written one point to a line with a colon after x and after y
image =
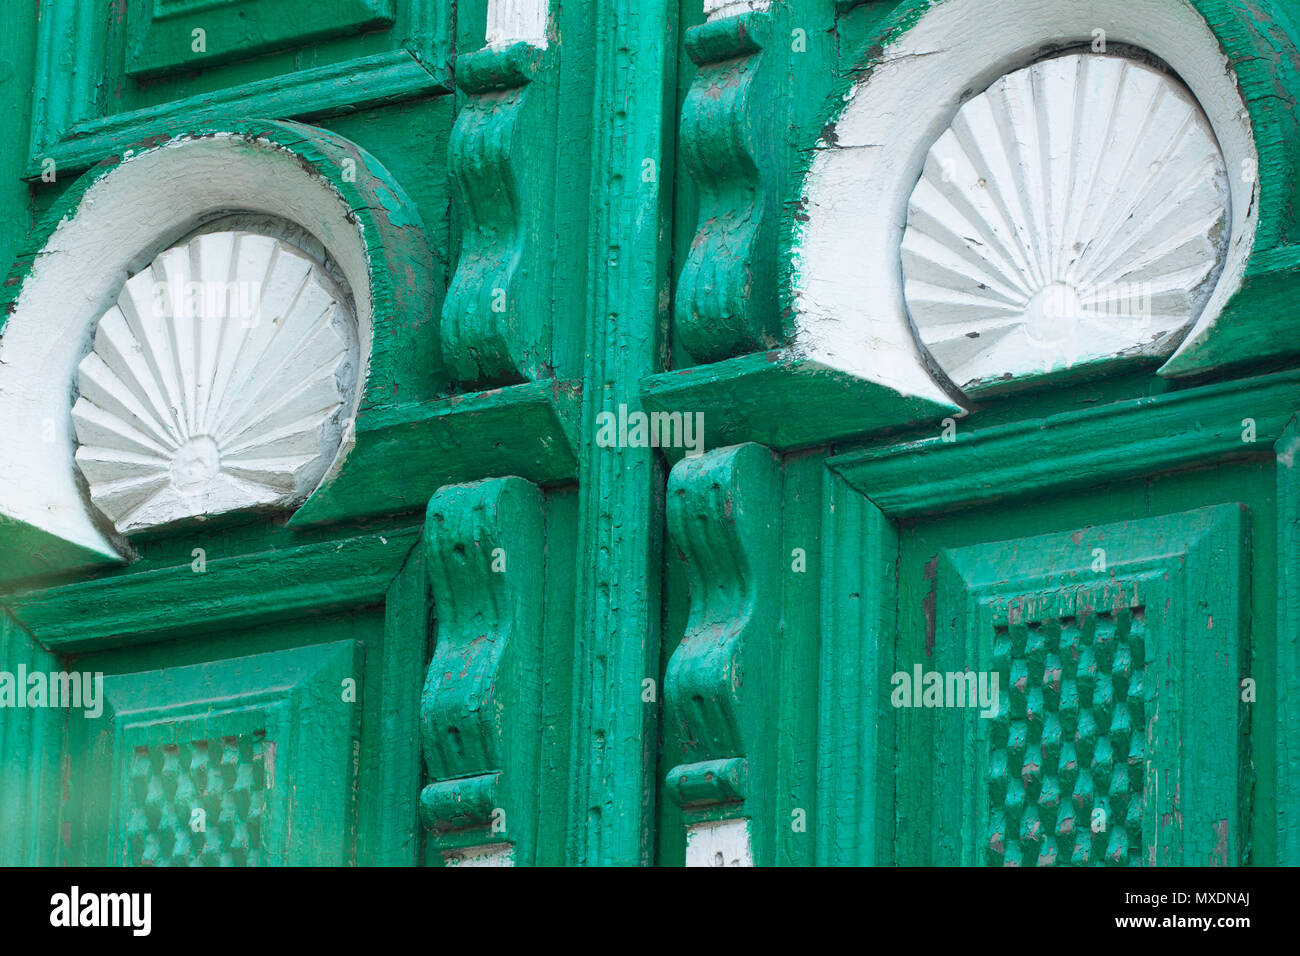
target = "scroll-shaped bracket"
x: 497, y: 317
x: 481, y: 707
x: 726, y: 294
x: 723, y: 515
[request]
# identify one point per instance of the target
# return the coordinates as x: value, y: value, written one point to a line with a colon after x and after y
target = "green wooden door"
x: 663, y: 431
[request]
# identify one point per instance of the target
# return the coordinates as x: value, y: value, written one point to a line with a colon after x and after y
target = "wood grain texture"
x: 30, y: 759
x: 803, y: 568
x: 854, y: 823
x: 1286, y: 684
x: 389, y: 832
x: 160, y: 41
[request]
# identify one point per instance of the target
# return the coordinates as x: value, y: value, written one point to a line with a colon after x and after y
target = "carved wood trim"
x: 481, y: 707
x: 496, y: 319
x: 726, y: 294
x: 722, y: 675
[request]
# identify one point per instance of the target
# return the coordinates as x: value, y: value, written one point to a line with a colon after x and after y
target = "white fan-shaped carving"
x: 1074, y: 211
x: 215, y: 383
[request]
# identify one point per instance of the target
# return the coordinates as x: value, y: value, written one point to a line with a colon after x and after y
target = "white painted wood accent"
x: 847, y: 283
x: 117, y: 229
x: 491, y: 854
x: 717, y: 9
x: 517, y: 21
x: 719, y: 844
x: 215, y: 383
x: 1073, y: 211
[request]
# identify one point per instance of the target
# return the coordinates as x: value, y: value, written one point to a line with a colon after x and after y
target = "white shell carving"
x: 1074, y: 211
x: 216, y: 383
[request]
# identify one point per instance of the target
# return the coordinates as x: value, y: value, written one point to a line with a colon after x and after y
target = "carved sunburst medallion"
x: 216, y: 383
x: 1073, y: 212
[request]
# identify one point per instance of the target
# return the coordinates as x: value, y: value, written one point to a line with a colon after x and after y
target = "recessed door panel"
x: 250, y: 761
x: 1107, y: 727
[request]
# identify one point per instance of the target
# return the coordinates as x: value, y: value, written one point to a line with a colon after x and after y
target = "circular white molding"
x: 215, y: 383
x: 117, y: 226
x: 1074, y: 211
x: 847, y: 282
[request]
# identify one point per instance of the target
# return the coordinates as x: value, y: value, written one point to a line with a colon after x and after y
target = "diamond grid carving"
x: 1069, y: 739
x: 225, y: 777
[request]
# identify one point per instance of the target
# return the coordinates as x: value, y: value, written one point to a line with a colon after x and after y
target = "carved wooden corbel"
x: 722, y: 515
x: 726, y: 294
x: 496, y: 319
x: 481, y: 707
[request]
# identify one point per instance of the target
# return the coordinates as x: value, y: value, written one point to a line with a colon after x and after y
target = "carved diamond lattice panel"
x: 216, y: 383
x: 1069, y: 741
x: 1073, y: 212
x: 200, y: 803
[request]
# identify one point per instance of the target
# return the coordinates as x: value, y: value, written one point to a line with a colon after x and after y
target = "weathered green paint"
x: 855, y: 793
x: 85, y: 109
x: 495, y: 323
x: 1284, y: 658
x: 161, y: 41
x: 1034, y: 610
x: 148, y: 604
x: 31, y: 748
x: 725, y: 295
x: 1076, y: 449
x: 620, y: 514
x: 827, y: 538
x: 761, y: 396
x: 482, y: 703
x: 405, y: 454
x: 725, y: 671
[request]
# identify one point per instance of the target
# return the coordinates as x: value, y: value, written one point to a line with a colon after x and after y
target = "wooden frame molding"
x: 138, y: 607
x: 404, y: 454
x: 1074, y: 449
x: 854, y: 822
x: 482, y: 704
x: 496, y: 319
x: 617, y: 606
x: 71, y: 125
x: 721, y: 680
x: 786, y: 402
